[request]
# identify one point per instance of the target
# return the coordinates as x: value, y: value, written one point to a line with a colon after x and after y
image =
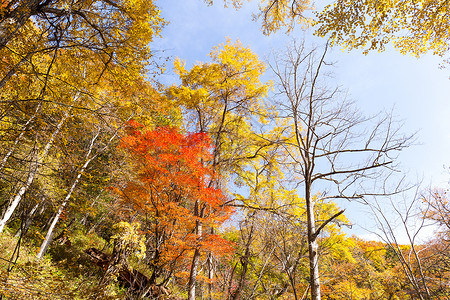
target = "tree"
x: 413, y: 27
x: 328, y: 142
x: 172, y: 195
x: 223, y: 98
x: 83, y: 49
x: 435, y: 252
x: 90, y: 157
x: 359, y: 269
x: 110, y: 32
x: 423, y: 262
x: 271, y: 257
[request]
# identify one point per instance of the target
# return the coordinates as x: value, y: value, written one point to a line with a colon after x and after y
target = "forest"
x: 227, y: 183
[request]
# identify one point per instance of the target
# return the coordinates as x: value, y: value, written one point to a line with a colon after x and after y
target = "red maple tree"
x: 173, y: 182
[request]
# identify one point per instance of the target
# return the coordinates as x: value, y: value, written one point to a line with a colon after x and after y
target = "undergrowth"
x: 64, y: 273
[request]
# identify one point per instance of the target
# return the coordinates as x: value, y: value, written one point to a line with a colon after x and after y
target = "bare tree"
x: 423, y: 259
x: 329, y: 142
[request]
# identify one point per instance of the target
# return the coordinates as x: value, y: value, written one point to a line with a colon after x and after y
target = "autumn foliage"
x: 173, y: 181
x: 147, y: 202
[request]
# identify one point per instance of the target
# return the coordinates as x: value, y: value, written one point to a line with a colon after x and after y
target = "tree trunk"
x: 193, y: 274
x: 244, y: 263
x: 19, y: 137
x: 312, y: 246
x: 24, y: 227
x: 16, y: 200
x: 33, y: 170
x: 210, y: 266
x: 50, y: 232
x: 196, y: 258
x: 84, y: 219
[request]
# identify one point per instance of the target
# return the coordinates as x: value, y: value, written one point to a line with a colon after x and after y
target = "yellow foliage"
x: 129, y: 237
x: 412, y: 26
x: 223, y: 98
x: 277, y: 14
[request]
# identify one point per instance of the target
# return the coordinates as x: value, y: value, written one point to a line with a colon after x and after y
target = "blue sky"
x: 417, y: 89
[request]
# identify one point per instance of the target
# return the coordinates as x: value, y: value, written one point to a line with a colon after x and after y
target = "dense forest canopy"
x: 226, y: 184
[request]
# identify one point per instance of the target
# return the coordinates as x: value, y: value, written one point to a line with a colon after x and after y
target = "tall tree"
x: 172, y: 195
x: 329, y: 142
x: 423, y: 262
x: 223, y: 98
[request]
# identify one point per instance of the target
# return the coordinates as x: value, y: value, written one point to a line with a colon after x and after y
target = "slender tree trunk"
x: 24, y: 228
x: 50, y: 232
x: 84, y: 219
x: 312, y: 245
x: 16, y: 199
x: 45, y: 226
x: 210, y: 266
x: 291, y: 272
x: 196, y: 258
x: 244, y: 263
x: 33, y: 170
x: 193, y: 274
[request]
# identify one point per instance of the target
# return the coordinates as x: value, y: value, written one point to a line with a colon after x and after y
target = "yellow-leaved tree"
x: 223, y: 98
x: 414, y: 27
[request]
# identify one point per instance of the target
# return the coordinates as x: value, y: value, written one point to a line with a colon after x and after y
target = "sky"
x: 417, y: 89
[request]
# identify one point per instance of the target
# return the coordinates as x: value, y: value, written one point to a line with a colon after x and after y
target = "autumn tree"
x: 107, y: 30
x: 412, y: 27
x: 272, y: 255
x: 271, y: 258
x: 92, y: 151
x: 224, y: 99
x: 329, y: 143
x: 358, y: 269
x: 174, y: 200
x: 401, y: 226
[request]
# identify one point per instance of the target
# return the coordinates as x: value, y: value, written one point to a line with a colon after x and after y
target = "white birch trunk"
x: 16, y: 200
x: 50, y: 232
x: 18, y: 197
